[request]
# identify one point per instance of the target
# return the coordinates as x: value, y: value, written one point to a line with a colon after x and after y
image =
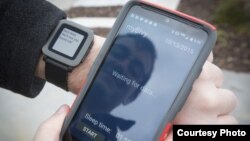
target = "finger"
x: 210, y: 57
x: 227, y: 119
x: 170, y: 136
x: 51, y: 128
x: 227, y: 101
x: 211, y: 72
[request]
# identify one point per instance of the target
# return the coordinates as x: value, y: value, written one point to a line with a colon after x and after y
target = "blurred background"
x: 20, y: 116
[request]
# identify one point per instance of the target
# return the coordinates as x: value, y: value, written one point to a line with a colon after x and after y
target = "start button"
x: 90, y: 132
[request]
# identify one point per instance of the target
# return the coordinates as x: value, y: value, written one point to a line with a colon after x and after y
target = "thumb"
x: 50, y: 129
x: 170, y: 136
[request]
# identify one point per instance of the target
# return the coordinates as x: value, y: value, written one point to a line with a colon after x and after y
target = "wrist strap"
x: 56, y: 73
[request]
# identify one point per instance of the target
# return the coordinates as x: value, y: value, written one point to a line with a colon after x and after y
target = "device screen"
x: 139, y: 78
x: 68, y: 41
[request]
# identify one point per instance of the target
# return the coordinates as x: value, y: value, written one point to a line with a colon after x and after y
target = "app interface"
x: 68, y: 42
x: 138, y: 80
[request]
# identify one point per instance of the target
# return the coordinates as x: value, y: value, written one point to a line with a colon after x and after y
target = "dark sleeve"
x: 25, y: 26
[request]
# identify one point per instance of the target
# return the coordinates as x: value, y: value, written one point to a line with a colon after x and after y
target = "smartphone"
x: 142, y: 76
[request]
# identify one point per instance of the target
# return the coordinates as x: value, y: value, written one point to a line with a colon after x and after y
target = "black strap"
x: 56, y: 73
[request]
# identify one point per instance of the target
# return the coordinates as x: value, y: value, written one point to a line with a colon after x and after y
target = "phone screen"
x: 139, y: 78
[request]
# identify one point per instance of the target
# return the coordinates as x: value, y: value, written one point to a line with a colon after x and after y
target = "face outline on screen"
x: 80, y: 35
x: 123, y: 60
x: 111, y: 88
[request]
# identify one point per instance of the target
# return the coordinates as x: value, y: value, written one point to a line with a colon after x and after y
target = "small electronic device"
x: 65, y: 49
x: 142, y: 76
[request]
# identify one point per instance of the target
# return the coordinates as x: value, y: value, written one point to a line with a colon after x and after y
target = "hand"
x: 207, y: 103
x: 50, y: 129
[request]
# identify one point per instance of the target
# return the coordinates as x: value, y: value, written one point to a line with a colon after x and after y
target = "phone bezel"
x: 186, y: 88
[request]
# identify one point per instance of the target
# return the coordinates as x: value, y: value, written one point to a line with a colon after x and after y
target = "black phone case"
x: 187, y: 86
